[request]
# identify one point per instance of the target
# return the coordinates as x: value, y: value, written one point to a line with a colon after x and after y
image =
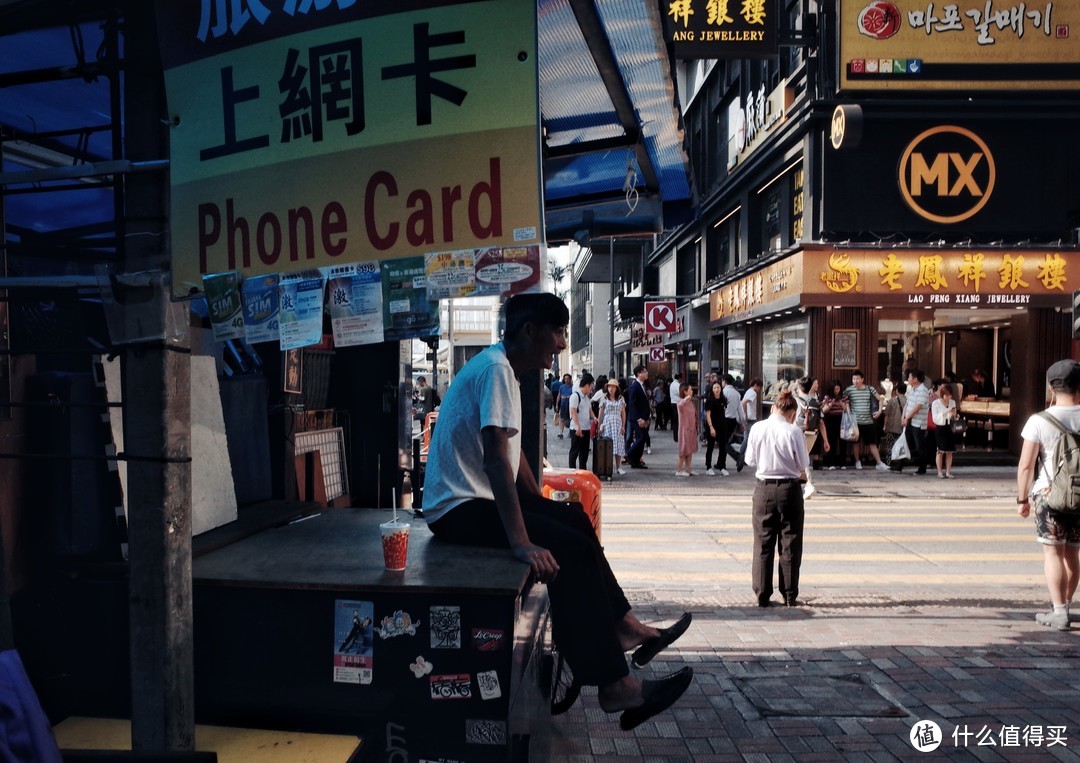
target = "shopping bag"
x: 900, y: 450
x: 849, y: 428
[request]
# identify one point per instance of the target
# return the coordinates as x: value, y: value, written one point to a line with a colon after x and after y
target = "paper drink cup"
x: 395, y: 544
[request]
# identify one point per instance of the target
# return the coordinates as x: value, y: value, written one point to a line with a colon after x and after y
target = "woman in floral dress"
x: 613, y: 422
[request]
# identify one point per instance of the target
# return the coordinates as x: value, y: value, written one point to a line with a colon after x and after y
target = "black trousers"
x: 778, y: 520
x: 723, y: 437
x: 586, y: 600
x: 635, y: 442
x: 579, y: 450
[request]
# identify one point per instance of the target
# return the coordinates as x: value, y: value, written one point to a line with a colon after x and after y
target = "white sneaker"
x: 1056, y: 620
x: 832, y: 468
x: 858, y: 465
x: 681, y: 474
x: 621, y: 470
x: 648, y: 451
x: 725, y: 473
x: 808, y: 492
x: 711, y: 472
x: 882, y: 466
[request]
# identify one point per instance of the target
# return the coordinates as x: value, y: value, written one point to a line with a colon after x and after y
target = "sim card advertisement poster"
x: 318, y: 134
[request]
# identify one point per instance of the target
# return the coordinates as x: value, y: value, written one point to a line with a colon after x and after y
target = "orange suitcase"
x: 576, y: 485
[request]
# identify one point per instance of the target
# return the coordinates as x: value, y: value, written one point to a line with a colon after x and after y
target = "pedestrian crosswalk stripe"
x: 832, y: 580
x: 817, y: 539
x: 919, y: 557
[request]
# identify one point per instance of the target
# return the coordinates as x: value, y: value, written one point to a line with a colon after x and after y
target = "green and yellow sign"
x: 308, y: 135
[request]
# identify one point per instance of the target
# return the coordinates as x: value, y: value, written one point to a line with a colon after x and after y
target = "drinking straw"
x: 393, y: 496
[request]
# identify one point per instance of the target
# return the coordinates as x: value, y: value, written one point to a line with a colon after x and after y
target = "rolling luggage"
x: 602, y: 460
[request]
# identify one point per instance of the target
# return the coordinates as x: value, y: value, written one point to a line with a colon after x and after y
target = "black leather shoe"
x: 667, y: 637
x: 764, y: 601
x: 791, y: 601
x: 659, y: 696
x: 638, y: 466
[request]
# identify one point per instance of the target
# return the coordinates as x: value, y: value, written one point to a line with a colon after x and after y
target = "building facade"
x: 883, y: 199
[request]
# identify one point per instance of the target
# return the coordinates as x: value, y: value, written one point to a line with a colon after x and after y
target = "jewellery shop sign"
x: 993, y: 278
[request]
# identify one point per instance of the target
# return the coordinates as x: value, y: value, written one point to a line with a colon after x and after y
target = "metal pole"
x: 611, y: 303
x: 157, y: 423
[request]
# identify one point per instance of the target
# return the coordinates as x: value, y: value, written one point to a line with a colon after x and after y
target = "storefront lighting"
x: 727, y: 217
x: 780, y: 174
x: 697, y: 240
x: 878, y: 307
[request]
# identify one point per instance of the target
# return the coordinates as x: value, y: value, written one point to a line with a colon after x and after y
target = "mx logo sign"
x: 659, y: 317
x: 947, y: 174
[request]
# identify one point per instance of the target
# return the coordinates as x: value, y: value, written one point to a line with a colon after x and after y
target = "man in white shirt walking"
x: 777, y: 449
x: 914, y: 421
x: 748, y: 407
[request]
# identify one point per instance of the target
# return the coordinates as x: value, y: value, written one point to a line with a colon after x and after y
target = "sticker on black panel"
x: 353, y: 641
x: 445, y: 625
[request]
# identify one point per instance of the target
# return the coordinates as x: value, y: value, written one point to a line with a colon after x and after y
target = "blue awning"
x: 615, y: 161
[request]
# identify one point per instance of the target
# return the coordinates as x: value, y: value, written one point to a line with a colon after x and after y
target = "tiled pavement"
x: 849, y: 675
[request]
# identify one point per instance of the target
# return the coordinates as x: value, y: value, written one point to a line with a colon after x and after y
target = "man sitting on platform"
x: 480, y: 490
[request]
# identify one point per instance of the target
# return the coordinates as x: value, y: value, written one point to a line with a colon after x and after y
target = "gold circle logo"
x: 947, y: 174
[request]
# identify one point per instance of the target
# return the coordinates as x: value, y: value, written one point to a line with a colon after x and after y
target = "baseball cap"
x: 1065, y: 374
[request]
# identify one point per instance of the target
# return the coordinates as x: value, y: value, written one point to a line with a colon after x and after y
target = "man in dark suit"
x: 637, y: 415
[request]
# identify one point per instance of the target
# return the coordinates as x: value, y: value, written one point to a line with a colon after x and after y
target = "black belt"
x: 784, y: 481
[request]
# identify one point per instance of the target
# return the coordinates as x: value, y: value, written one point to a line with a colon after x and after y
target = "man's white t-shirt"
x: 1037, y: 429
x: 583, y: 403
x: 749, y: 404
x: 485, y: 393
x: 674, y: 390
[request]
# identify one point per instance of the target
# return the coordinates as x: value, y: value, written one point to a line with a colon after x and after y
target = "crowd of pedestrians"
x: 852, y: 425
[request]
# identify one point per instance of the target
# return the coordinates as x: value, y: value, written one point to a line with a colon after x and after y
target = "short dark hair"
x: 638, y: 370
x: 857, y: 372
x: 729, y: 380
x: 805, y: 383
x: 544, y: 309
x: 917, y: 374
x: 756, y: 381
x: 901, y: 388
x: 586, y: 378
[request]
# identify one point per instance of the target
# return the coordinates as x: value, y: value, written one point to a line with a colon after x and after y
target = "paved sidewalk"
x: 850, y: 675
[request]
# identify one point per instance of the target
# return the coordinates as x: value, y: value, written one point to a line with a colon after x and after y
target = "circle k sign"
x: 659, y: 317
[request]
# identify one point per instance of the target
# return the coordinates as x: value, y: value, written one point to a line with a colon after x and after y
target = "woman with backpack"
x: 1048, y: 488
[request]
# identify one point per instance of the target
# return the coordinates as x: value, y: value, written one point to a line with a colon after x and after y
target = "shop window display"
x: 783, y: 356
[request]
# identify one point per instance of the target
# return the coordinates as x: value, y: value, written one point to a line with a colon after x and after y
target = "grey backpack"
x: 1063, y: 466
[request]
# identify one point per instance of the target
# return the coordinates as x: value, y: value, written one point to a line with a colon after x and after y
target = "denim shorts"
x: 1054, y: 528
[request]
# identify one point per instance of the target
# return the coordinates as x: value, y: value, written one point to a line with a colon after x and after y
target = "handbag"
x: 959, y: 425
x: 849, y: 427
x: 900, y: 450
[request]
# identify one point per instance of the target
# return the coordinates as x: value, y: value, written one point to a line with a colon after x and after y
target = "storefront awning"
x: 614, y: 163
